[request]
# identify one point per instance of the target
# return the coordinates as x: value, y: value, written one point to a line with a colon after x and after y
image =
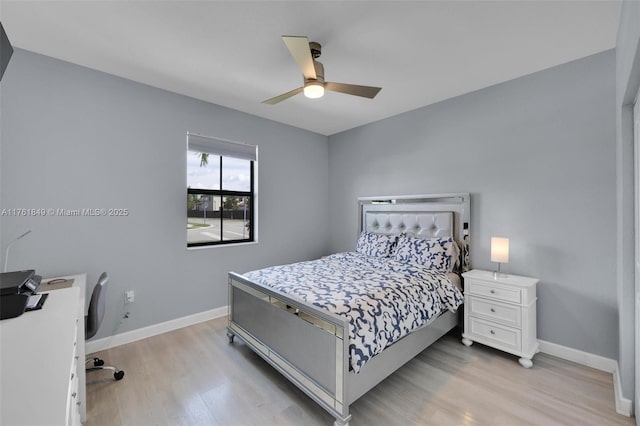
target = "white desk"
x: 42, y: 361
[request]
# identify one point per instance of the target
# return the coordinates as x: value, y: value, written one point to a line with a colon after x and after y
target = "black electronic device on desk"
x: 16, y: 290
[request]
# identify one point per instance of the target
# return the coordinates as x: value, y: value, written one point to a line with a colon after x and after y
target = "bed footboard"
x: 307, y: 345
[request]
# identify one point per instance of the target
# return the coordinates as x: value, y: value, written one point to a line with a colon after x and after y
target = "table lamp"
x: 499, y: 254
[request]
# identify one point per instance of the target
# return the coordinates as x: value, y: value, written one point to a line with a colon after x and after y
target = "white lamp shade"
x: 499, y: 250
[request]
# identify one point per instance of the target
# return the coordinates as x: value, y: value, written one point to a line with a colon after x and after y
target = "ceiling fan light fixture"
x: 314, y: 90
x: 305, y: 54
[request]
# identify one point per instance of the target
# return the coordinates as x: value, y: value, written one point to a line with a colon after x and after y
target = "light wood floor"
x: 193, y: 376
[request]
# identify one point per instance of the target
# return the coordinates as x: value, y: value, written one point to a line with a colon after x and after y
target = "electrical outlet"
x: 129, y: 296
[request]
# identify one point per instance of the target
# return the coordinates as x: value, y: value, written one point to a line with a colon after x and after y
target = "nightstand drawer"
x: 507, y: 314
x: 500, y: 335
x: 494, y: 292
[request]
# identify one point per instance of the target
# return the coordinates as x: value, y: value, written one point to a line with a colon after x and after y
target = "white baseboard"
x: 584, y: 358
x: 153, y: 330
x: 624, y: 406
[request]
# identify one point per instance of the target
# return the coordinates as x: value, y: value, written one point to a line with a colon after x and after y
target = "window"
x: 220, y: 191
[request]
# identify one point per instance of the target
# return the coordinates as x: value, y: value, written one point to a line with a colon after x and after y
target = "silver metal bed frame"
x: 310, y: 346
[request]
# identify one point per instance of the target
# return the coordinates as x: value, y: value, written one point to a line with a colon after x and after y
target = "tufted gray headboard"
x: 432, y: 215
x: 421, y: 224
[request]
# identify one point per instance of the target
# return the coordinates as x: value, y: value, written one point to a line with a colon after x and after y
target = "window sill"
x: 213, y: 246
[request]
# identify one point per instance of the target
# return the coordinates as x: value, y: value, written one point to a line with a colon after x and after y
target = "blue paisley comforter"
x: 383, y: 300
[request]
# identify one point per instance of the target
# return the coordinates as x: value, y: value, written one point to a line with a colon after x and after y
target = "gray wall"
x: 76, y: 138
x: 538, y: 156
x: 627, y: 82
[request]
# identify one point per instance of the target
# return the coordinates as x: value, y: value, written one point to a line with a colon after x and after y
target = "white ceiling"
x: 231, y: 53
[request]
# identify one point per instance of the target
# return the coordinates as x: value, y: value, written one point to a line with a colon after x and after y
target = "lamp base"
x: 498, y: 274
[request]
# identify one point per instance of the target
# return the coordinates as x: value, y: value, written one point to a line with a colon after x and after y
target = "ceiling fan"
x: 305, y: 54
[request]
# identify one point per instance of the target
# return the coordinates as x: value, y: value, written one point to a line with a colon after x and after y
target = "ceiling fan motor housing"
x: 316, y: 49
x: 319, y: 72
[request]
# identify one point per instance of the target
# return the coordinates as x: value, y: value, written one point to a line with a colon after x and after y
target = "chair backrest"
x: 96, y: 307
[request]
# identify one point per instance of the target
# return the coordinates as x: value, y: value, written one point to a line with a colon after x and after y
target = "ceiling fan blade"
x: 282, y: 97
x: 353, y: 89
x: 299, y: 48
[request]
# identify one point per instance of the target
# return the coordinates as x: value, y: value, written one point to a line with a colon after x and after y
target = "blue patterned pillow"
x: 376, y: 245
x: 433, y: 253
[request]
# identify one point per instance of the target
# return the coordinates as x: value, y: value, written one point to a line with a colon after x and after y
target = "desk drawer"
x: 482, y: 288
x: 506, y: 314
x: 501, y: 335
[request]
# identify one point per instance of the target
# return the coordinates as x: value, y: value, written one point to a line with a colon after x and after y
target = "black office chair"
x: 92, y: 324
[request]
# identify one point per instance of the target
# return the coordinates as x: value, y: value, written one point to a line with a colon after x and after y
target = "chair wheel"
x: 118, y: 375
x: 97, y: 362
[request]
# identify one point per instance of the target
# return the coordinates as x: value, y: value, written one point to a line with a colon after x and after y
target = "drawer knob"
x: 73, y: 395
x: 492, y: 332
x: 72, y: 376
x: 493, y: 292
x: 493, y: 310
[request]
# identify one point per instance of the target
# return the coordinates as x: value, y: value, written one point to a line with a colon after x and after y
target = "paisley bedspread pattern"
x: 383, y: 299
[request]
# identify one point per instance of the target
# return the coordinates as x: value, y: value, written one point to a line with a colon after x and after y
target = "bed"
x: 316, y: 322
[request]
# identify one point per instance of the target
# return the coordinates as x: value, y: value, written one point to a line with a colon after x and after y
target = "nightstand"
x: 501, y: 313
